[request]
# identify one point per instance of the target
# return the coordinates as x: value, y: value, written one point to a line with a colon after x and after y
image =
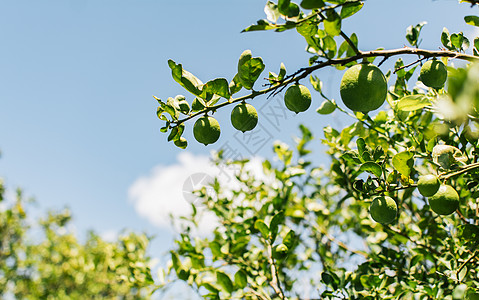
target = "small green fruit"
x: 326, y: 108
x: 363, y: 88
x: 297, y: 98
x: 433, y: 73
x: 383, y: 209
x: 244, y: 117
x: 280, y: 251
x: 445, y: 201
x: 206, y: 130
x: 428, y: 185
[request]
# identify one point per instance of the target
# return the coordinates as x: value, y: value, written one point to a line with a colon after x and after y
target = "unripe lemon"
x: 363, y: 88
x: 445, y: 201
x: 280, y: 251
x: 244, y: 117
x: 206, y: 130
x: 326, y: 108
x: 433, y: 73
x: 428, y: 185
x: 471, y: 295
x: 383, y: 209
x: 297, y: 98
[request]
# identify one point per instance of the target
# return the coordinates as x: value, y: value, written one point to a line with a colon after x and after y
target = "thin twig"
x: 274, y: 274
x: 408, y: 65
x: 341, y: 244
x: 465, y: 263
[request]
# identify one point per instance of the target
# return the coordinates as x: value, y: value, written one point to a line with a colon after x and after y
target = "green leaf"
x: 271, y: 11
x: 350, y: 9
x: 235, y: 85
x: 316, y: 83
x: 282, y: 72
x: 225, y: 281
x: 185, y: 78
x: 445, y: 39
x: 262, y: 227
x: 361, y: 144
x: 218, y: 86
x: 332, y: 24
x: 210, y: 287
x: 476, y: 43
x: 472, y: 20
x: 413, y: 32
x: 274, y: 225
x: 330, y: 46
x: 290, y: 239
x: 372, y: 167
x: 181, y: 143
x: 312, y: 4
x: 354, y: 39
x: 259, y: 26
x: 241, y: 279
x: 403, y: 162
x: 412, y: 102
x: 283, y: 6
x: 198, y: 104
x: 183, y: 105
x: 459, y: 41
x: 173, y: 133
x: 249, y: 69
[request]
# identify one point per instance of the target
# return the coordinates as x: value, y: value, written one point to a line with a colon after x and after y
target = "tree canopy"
x: 359, y: 228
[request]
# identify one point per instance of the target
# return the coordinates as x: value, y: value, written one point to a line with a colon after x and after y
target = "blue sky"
x: 78, y: 123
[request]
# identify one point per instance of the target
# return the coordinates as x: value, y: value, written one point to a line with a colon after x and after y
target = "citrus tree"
x: 45, y: 260
x: 394, y: 216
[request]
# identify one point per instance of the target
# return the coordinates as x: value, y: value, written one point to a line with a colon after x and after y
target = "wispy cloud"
x: 167, y: 189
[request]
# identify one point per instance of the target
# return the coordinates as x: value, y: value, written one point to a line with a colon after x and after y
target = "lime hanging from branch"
x: 206, y: 130
x: 363, y: 88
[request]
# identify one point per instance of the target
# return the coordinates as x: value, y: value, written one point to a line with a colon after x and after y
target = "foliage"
x: 46, y: 260
x: 300, y: 231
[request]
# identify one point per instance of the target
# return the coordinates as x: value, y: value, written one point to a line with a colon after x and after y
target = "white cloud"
x: 167, y: 189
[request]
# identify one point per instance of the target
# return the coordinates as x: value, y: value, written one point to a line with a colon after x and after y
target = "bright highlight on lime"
x: 433, y: 73
x: 363, y: 88
x: 206, y: 130
x: 297, y: 98
x: 244, y: 117
x: 428, y: 185
x: 445, y: 201
x: 383, y: 209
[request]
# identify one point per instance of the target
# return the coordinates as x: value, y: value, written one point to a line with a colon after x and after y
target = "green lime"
x: 363, y: 88
x: 206, y: 130
x: 297, y: 98
x: 281, y: 251
x: 244, y: 117
x: 326, y: 108
x: 472, y: 296
x: 433, y: 73
x: 383, y: 209
x: 428, y: 185
x: 445, y: 201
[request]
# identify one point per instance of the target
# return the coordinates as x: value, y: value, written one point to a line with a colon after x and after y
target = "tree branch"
x: 304, y: 72
x: 274, y: 274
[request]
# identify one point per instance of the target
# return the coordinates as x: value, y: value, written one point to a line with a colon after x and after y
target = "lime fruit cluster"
x: 206, y: 130
x: 244, y: 117
x: 383, y: 209
x: 428, y: 185
x: 445, y: 201
x: 297, y: 98
x: 363, y: 88
x: 433, y: 73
